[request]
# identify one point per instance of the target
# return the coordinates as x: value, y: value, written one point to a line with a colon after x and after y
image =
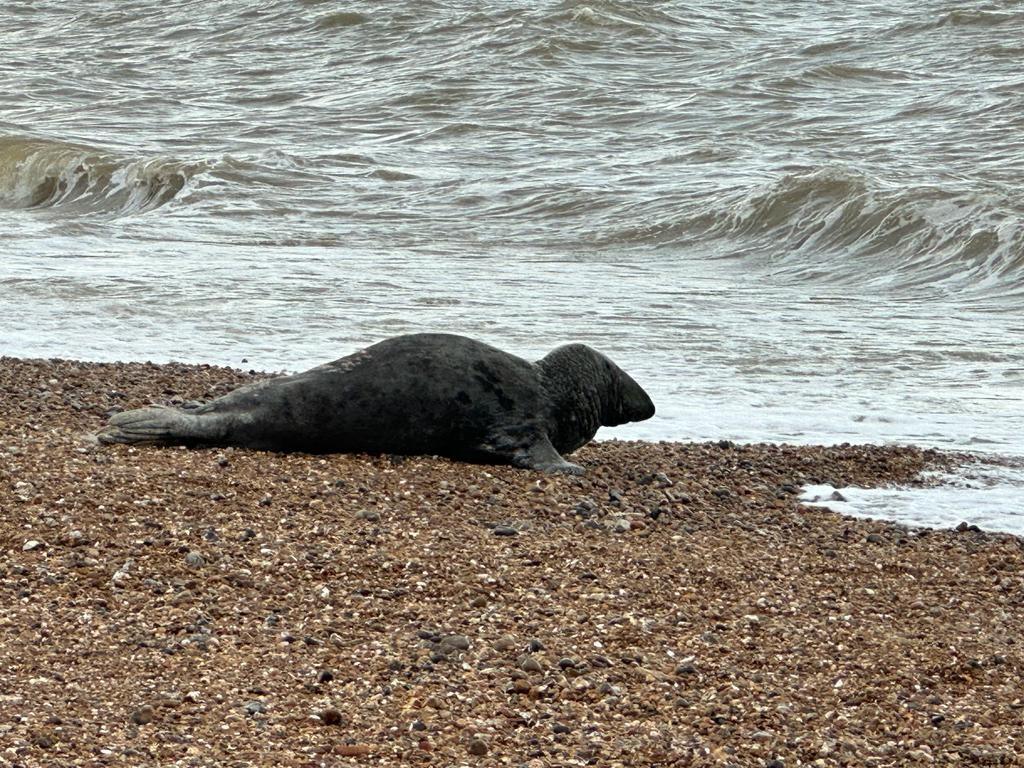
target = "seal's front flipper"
x: 156, y: 424
x: 542, y: 455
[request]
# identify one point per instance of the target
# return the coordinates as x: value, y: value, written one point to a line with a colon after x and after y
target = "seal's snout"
x: 638, y: 404
x: 632, y: 402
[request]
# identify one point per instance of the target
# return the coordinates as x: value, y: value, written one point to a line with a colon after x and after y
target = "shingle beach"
x: 674, y: 606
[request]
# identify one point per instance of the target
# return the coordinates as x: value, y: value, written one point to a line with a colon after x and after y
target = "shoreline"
x: 675, y: 604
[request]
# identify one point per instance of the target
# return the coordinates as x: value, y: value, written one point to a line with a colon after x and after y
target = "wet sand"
x: 675, y: 606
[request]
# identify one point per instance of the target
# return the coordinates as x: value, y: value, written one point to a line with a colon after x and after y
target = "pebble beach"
x: 676, y: 605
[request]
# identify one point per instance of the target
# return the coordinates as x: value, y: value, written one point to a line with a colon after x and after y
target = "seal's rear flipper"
x: 156, y: 424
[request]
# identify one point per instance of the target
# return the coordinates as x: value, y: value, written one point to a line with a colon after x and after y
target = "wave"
x: 959, y: 19
x: 45, y: 173
x: 838, y: 225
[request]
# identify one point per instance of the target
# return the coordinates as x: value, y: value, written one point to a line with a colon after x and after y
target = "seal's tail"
x: 156, y: 424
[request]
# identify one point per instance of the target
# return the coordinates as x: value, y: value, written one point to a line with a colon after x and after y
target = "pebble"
x: 255, y: 707
x: 478, y: 746
x: 505, y: 530
x: 530, y: 664
x: 44, y: 739
x: 370, y: 515
x: 330, y: 716
x: 586, y: 508
x: 506, y: 643
x: 143, y: 715
x: 620, y: 525
x: 195, y: 559
x: 324, y: 676
x: 32, y: 544
x: 459, y: 642
x: 351, y: 750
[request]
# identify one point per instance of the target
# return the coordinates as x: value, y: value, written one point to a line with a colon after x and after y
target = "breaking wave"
x: 43, y: 173
x: 838, y: 225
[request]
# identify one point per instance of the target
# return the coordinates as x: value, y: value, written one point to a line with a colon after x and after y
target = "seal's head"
x: 588, y: 391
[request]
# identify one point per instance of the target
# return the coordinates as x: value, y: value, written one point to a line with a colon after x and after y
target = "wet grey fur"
x: 417, y: 394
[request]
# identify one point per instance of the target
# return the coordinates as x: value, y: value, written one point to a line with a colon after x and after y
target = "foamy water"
x: 799, y: 224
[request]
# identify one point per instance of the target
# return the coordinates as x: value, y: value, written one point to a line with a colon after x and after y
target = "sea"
x: 796, y: 222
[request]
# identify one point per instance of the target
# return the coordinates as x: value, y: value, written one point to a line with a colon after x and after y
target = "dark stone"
x: 143, y: 715
x: 331, y: 716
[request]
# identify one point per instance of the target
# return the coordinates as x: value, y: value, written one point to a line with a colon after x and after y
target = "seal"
x: 425, y: 393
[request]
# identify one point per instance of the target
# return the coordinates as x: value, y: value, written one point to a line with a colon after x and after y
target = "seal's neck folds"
x: 579, y: 392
